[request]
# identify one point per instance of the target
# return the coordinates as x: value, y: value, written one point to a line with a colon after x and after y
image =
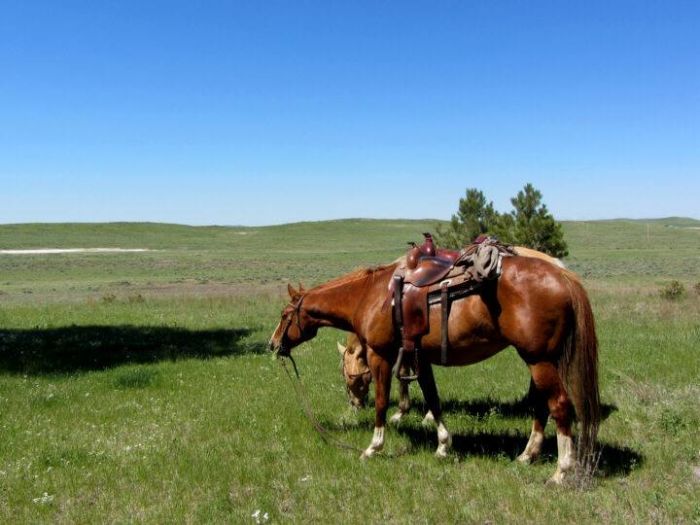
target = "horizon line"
x: 222, y: 225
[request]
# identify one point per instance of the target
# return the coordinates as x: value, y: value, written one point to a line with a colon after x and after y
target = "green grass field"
x: 136, y: 387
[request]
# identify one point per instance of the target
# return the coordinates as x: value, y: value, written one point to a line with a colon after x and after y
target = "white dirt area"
x: 41, y: 251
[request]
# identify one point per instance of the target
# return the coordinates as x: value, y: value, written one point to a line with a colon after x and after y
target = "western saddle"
x: 432, y: 276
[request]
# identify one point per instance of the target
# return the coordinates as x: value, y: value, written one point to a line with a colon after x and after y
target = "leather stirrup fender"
x: 445, y: 312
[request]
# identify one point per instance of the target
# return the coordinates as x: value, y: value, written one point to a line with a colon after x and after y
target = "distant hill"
x: 679, y: 222
x: 346, y: 234
x: 620, y: 249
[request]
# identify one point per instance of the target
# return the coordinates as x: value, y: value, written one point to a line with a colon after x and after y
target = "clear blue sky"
x: 270, y: 112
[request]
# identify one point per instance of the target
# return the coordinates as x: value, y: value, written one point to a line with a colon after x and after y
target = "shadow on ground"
x: 82, y: 348
x: 614, y: 460
x: 484, y: 407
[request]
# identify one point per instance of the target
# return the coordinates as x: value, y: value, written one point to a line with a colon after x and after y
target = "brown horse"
x: 356, y: 371
x: 539, y: 309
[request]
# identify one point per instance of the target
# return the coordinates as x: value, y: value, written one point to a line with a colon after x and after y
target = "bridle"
x: 295, y: 312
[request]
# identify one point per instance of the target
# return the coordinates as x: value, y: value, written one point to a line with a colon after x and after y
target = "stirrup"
x: 397, y: 368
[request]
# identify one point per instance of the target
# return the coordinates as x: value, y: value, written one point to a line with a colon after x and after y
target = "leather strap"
x: 445, y: 307
x: 398, y: 306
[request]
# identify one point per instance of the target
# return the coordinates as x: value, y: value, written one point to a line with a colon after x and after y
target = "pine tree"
x: 533, y: 226
x: 528, y: 224
x: 474, y: 217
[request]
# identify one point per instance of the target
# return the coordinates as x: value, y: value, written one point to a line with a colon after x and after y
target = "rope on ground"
x: 303, y: 398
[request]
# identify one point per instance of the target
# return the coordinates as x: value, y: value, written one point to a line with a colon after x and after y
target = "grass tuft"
x: 136, y: 378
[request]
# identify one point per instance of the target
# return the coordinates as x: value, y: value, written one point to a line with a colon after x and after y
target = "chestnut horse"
x: 541, y: 310
x: 356, y: 371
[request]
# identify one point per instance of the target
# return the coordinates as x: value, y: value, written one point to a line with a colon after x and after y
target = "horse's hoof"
x: 368, y: 453
x: 443, y: 448
x: 396, y: 418
x: 428, y: 420
x: 556, y: 480
x: 525, y: 459
x: 441, y: 453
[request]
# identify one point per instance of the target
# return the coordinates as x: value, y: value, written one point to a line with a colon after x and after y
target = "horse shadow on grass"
x: 73, y: 349
x: 613, y: 460
x: 487, y: 406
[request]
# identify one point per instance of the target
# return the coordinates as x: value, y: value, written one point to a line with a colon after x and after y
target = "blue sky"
x: 270, y: 112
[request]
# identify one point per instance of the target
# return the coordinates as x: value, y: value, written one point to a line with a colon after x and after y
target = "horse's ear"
x: 341, y: 348
x: 292, y: 292
x: 301, y: 288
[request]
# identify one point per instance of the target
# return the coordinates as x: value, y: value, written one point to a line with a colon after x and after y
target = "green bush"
x: 673, y: 291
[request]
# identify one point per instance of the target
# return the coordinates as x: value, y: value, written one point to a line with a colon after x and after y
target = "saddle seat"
x: 429, y: 271
x: 426, y: 265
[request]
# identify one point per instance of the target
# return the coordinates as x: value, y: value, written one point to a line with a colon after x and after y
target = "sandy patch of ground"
x: 42, y: 251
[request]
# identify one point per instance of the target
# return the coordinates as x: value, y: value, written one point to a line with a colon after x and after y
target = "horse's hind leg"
x: 426, y: 380
x: 548, y: 383
x: 541, y: 413
x: 404, y: 400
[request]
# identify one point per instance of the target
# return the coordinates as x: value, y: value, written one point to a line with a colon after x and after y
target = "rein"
x: 303, y: 398
x: 323, y: 432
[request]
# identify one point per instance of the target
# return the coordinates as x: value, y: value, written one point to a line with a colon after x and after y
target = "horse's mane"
x: 355, y: 275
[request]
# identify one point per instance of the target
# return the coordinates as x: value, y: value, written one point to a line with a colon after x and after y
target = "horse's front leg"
x: 426, y: 380
x: 381, y: 373
x: 405, y: 400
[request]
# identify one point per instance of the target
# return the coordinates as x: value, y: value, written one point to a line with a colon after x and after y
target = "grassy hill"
x: 633, y: 251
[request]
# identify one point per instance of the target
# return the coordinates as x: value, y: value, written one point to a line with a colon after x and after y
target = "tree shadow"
x: 613, y: 460
x: 71, y: 349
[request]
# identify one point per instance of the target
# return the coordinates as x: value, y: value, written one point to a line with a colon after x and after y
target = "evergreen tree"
x: 528, y: 224
x: 533, y: 226
x: 474, y: 217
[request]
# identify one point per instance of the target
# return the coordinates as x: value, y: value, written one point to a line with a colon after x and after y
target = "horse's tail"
x: 579, y: 370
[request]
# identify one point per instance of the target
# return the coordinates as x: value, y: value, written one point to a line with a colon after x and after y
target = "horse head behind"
x: 356, y: 371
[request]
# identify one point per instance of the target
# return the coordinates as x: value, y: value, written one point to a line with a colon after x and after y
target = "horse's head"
x: 355, y: 370
x: 295, y: 326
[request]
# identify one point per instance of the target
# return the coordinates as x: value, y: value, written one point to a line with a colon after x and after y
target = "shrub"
x: 673, y: 291
x: 697, y: 288
x: 109, y: 298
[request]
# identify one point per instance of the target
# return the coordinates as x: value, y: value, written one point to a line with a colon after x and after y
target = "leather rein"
x: 303, y: 396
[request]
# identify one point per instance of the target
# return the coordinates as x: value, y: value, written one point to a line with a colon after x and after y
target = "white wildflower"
x: 44, y: 499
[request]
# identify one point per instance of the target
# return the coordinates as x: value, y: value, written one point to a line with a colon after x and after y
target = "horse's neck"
x: 338, y: 303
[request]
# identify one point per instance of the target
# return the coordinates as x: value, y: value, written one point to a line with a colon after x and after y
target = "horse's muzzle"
x: 278, y: 349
